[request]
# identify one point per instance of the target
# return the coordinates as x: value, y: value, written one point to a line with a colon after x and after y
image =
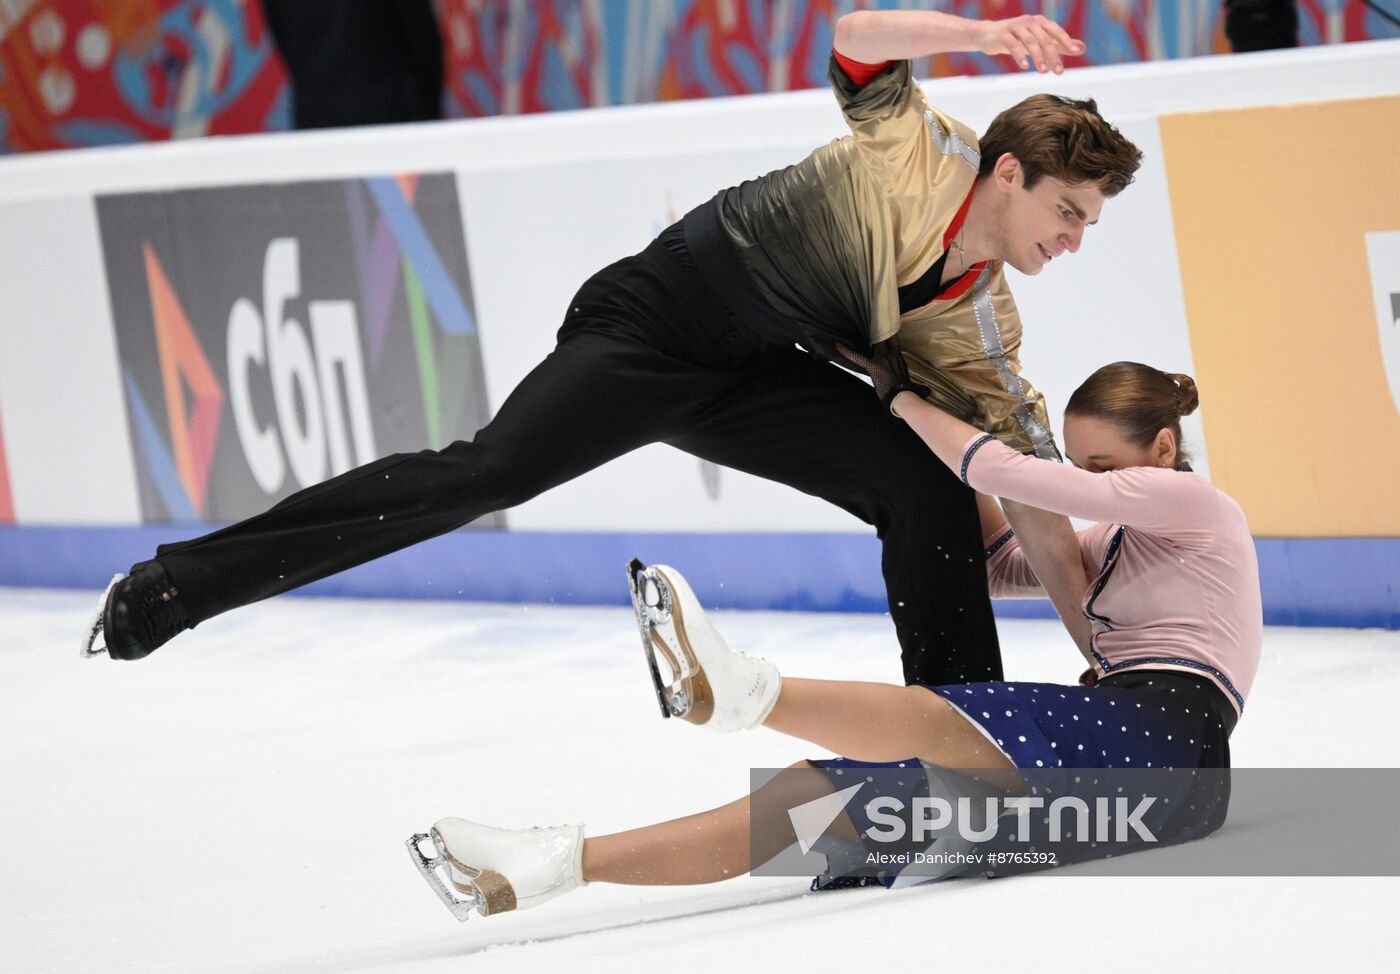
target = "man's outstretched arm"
x: 1045, y: 538
x: 872, y: 36
x: 1052, y: 551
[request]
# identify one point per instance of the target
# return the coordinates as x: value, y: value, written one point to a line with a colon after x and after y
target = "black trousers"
x: 648, y: 353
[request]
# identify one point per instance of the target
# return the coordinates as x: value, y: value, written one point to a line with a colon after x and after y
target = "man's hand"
x: 1031, y: 40
x: 886, y: 368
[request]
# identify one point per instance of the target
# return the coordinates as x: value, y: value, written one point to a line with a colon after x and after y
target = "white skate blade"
x: 434, y: 868
x: 683, y: 690
x: 706, y: 682
x: 646, y: 614
x: 90, y: 648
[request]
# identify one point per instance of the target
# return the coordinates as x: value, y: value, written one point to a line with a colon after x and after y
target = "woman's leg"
x: 875, y: 722
x: 701, y: 848
x: 713, y: 845
x: 881, y: 722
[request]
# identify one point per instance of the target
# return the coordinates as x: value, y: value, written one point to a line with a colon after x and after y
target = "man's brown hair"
x: 1062, y: 138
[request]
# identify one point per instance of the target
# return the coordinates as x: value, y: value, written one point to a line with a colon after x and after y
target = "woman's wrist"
x: 900, y: 398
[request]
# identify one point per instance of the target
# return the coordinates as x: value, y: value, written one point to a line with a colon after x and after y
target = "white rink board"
x: 546, y: 200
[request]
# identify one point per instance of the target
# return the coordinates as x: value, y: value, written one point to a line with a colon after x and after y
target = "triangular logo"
x: 811, y: 819
x: 193, y: 434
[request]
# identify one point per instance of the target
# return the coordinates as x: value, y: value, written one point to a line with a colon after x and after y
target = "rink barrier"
x: 94, y: 244
x: 1334, y: 582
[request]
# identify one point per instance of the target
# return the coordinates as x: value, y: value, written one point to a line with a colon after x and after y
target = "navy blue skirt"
x: 1141, y: 720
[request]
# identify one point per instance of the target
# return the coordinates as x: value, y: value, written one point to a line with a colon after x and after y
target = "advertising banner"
x: 271, y: 336
x: 7, y: 507
x: 1286, y: 228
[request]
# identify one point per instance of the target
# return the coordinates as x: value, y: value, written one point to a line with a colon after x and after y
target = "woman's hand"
x: 886, y: 368
x: 1031, y: 40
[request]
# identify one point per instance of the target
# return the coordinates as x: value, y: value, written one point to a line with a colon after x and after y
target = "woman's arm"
x: 1153, y: 499
x: 872, y: 36
x: 942, y: 432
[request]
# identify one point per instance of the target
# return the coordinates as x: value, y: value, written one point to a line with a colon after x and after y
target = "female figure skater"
x: 1177, y: 627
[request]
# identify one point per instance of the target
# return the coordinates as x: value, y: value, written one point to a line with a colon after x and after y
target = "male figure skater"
x: 889, y: 243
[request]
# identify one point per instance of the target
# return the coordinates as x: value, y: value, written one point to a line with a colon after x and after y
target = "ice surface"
x: 239, y: 800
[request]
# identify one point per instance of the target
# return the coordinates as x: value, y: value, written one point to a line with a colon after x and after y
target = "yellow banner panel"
x: 1288, y: 233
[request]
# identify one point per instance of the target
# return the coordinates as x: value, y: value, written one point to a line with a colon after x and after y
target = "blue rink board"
x: 1352, y: 582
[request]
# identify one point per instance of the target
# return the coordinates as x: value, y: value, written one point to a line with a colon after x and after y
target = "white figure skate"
x: 708, y: 683
x: 491, y: 870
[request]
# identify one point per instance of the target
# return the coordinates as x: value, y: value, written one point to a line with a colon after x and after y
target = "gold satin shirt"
x: 830, y: 240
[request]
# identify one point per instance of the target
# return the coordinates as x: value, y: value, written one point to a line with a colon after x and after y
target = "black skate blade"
x: 635, y: 568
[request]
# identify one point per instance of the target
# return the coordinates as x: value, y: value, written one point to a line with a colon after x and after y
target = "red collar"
x: 958, y: 287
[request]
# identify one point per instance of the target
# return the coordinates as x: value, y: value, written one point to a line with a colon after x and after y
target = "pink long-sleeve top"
x: 1175, y: 577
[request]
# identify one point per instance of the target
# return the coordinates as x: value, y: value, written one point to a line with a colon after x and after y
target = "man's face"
x: 1048, y: 220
